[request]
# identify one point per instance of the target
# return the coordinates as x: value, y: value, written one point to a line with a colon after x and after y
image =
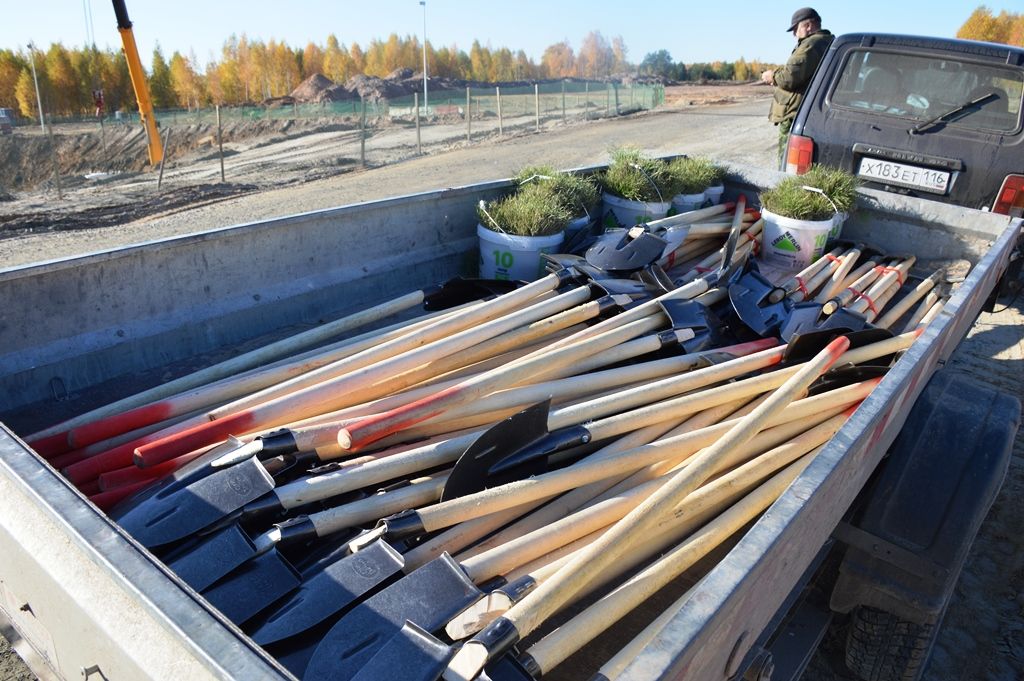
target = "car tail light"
x: 799, y: 154
x: 1010, y: 199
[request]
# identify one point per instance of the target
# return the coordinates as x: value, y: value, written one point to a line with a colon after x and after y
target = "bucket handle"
x: 483, y: 209
x: 819, y: 191
x: 653, y: 183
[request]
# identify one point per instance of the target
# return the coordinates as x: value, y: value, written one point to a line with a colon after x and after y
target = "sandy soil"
x: 284, y: 173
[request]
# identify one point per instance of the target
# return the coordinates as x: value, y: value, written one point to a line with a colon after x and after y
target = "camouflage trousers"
x: 784, y: 128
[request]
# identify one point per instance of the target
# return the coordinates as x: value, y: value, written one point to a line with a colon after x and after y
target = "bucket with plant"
x: 693, y: 176
x: 516, y: 229
x: 801, y: 213
x: 578, y: 193
x: 636, y: 189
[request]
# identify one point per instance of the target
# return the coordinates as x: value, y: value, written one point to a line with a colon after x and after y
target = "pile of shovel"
x: 482, y: 489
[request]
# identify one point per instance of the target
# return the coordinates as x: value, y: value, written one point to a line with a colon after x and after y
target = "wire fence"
x: 297, y: 142
x: 594, y: 98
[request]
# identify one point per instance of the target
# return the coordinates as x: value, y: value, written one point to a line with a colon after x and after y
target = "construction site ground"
x: 277, y: 168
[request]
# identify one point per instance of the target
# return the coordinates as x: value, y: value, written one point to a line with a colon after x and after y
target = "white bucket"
x: 714, y: 194
x: 619, y: 213
x: 793, y: 244
x: 684, y: 203
x: 506, y: 256
x: 837, y: 225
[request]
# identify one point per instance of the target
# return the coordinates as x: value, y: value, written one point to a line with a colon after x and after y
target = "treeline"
x: 1006, y: 27
x: 660, y: 64
x: 249, y: 71
x: 252, y: 70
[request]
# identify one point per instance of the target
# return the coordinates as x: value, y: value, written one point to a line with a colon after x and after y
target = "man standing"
x: 792, y: 80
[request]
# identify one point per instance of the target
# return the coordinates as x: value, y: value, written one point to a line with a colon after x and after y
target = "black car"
x: 930, y: 117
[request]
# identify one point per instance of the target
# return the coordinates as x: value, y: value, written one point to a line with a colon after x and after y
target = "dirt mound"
x: 312, y: 88
x: 372, y: 88
x: 400, y: 74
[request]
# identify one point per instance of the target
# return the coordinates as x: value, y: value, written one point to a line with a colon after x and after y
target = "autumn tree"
x: 1005, y: 28
x: 480, y: 62
x: 596, y: 58
x: 185, y: 82
x: 11, y: 66
x: 620, y: 63
x: 25, y: 95
x: 313, y: 59
x: 559, y: 60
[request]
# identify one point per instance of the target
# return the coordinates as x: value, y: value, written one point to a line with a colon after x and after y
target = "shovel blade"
x: 625, y: 252
x: 177, y: 512
x: 807, y: 318
x: 504, y: 438
x: 329, y: 591
x: 749, y: 298
x: 412, y: 654
x: 215, y: 556
x: 253, y: 587
x: 429, y: 597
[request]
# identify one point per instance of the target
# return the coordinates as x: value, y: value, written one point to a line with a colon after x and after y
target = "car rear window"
x: 921, y: 87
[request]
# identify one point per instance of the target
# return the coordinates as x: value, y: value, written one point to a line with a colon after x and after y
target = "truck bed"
x: 78, y: 332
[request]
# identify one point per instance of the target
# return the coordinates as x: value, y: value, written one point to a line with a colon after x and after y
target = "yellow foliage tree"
x: 1005, y: 28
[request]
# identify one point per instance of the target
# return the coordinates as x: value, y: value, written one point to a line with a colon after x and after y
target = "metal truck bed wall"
x: 85, y: 595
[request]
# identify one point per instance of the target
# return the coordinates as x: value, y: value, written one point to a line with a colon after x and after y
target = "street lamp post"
x: 423, y: 4
x: 39, y: 100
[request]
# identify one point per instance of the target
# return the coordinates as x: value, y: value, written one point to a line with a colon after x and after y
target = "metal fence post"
x: 586, y: 101
x: 615, y: 87
x: 362, y: 132
x: 536, y: 104
x: 160, y: 177
x: 220, y: 145
x: 416, y: 105
x: 469, y: 117
x: 608, y: 99
x: 501, y: 124
x: 53, y: 157
x: 563, y: 101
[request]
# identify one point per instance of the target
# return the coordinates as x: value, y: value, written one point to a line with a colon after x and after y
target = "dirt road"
x: 191, y: 201
x: 984, y: 637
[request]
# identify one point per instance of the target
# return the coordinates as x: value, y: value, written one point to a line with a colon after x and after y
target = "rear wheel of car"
x: 882, y: 647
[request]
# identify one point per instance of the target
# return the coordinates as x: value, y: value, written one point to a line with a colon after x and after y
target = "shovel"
x: 450, y: 294
x: 177, y: 511
x: 352, y: 640
x: 520, y: 446
x: 529, y: 613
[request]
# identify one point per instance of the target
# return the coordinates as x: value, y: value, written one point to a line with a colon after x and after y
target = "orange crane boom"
x: 139, y: 84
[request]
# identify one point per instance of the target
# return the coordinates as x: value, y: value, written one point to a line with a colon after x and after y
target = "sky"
x: 691, y: 32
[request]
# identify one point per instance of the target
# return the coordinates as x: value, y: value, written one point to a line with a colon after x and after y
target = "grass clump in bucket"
x: 693, y: 175
x: 534, y: 210
x: 578, y: 193
x: 836, y: 193
x: 636, y: 177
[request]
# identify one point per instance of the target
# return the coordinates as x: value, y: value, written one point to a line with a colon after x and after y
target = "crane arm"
x: 139, y: 84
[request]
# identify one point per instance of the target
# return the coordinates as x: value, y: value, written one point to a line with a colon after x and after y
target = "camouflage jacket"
x: 792, y: 79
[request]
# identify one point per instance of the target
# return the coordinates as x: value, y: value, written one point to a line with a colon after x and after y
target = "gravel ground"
x: 984, y: 636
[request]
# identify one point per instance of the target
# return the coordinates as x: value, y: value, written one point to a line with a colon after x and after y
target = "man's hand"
x: 768, y: 77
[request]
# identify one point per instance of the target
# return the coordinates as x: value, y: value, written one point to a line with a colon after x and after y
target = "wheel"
x: 882, y: 647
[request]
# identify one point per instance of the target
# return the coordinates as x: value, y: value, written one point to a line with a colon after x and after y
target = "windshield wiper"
x: 920, y: 127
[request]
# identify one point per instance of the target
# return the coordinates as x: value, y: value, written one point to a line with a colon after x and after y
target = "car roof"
x: 1008, y: 54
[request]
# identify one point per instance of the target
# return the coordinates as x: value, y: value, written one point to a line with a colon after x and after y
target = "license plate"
x: 902, y: 175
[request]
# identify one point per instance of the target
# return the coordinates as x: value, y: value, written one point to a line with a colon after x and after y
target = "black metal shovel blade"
x: 626, y: 253
x: 429, y: 597
x: 708, y: 330
x: 412, y: 654
x: 461, y: 290
x: 512, y: 450
x: 749, y: 297
x: 170, y: 516
x: 328, y: 591
x: 203, y: 563
x: 253, y: 587
x: 808, y: 317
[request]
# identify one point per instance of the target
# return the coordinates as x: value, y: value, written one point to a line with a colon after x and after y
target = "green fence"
x: 567, y: 99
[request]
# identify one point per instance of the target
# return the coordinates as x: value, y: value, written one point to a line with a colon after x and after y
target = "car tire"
x: 882, y: 647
